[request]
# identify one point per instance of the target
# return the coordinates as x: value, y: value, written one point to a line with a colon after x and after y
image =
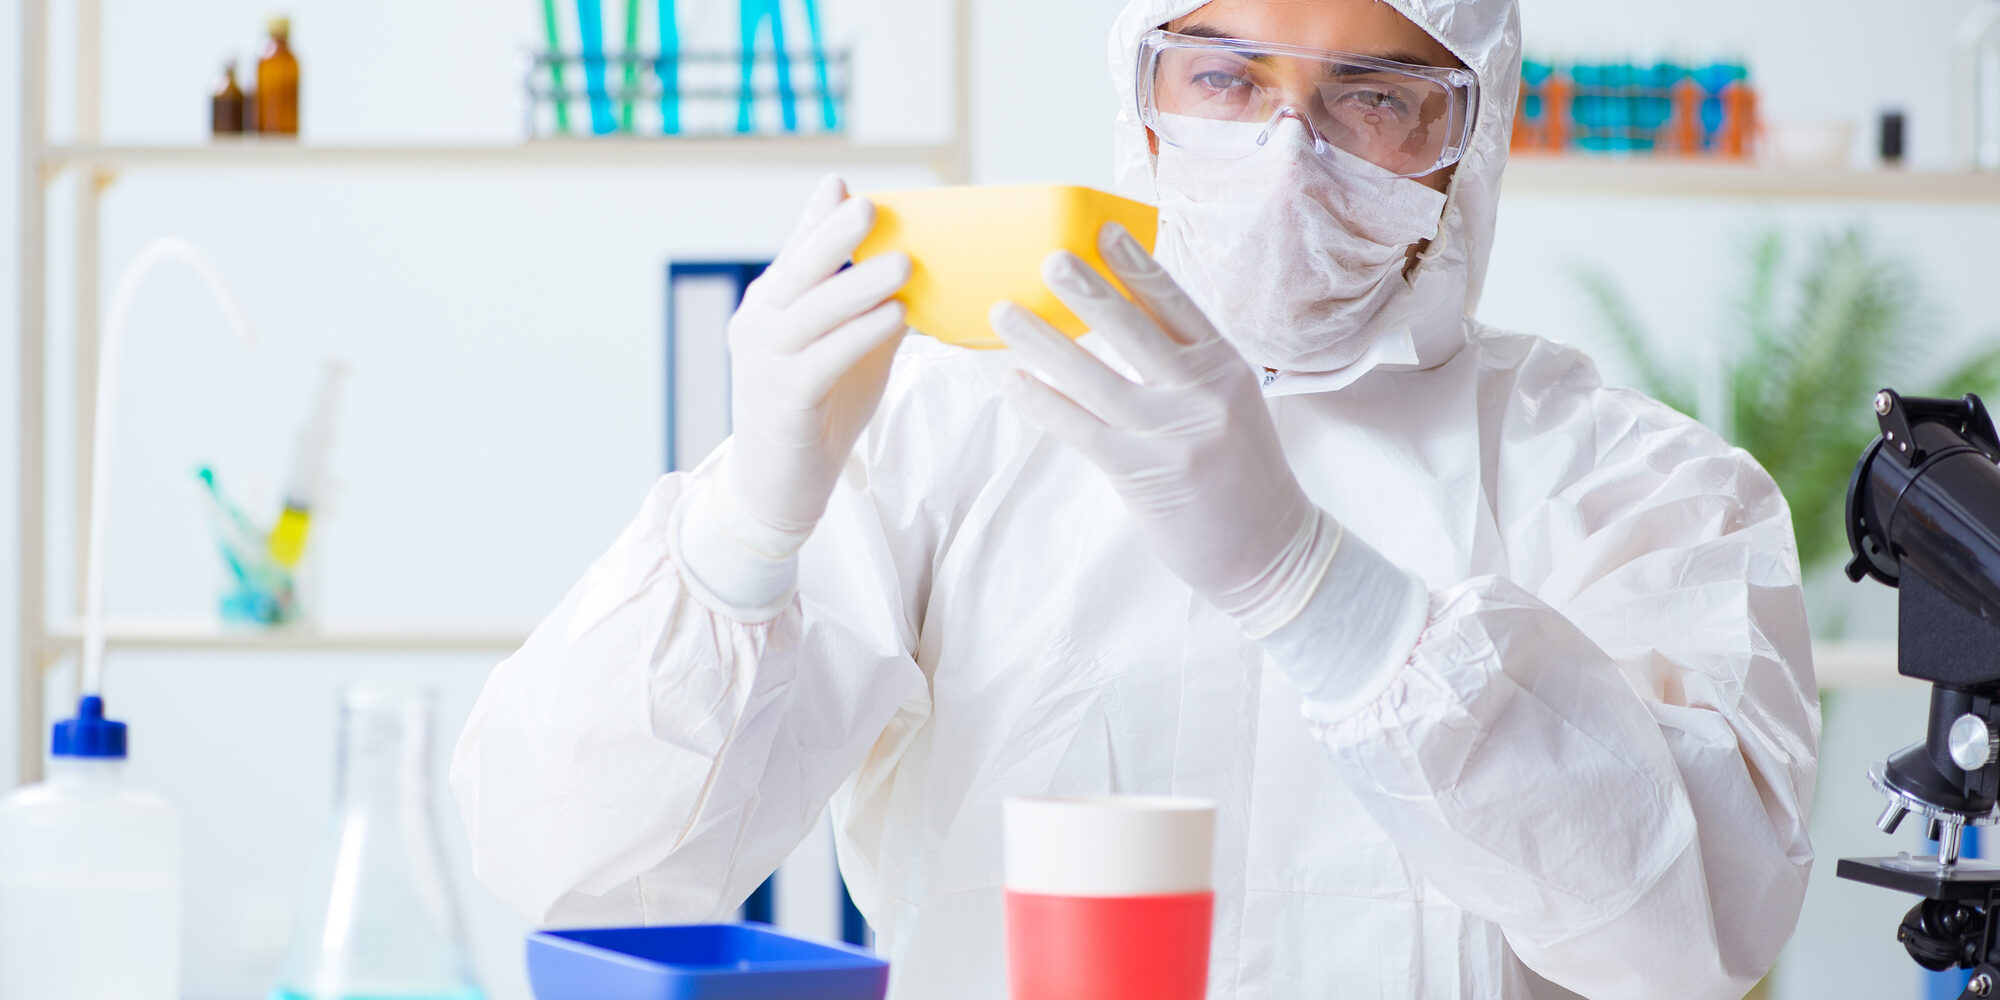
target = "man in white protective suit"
x: 1500, y: 678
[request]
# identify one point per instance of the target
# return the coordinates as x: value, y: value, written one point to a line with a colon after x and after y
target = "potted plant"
x: 1809, y: 348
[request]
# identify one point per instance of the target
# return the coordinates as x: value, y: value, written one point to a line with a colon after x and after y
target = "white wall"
x: 503, y: 333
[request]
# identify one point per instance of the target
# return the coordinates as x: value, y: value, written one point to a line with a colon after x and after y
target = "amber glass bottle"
x: 226, y: 106
x: 277, y: 98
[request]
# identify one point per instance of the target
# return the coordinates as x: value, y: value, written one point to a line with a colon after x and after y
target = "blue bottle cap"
x: 90, y: 734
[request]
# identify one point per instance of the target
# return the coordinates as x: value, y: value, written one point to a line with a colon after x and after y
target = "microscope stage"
x: 1969, y: 881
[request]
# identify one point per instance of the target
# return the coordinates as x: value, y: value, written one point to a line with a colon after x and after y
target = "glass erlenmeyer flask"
x: 379, y: 921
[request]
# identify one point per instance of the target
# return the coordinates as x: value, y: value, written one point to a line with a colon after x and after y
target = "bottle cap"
x: 279, y: 26
x: 90, y: 734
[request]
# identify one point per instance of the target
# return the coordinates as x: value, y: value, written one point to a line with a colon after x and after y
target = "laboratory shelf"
x: 1856, y: 664
x: 1526, y: 174
x: 538, y: 154
x: 1837, y: 664
x: 199, y: 633
x: 88, y: 157
x: 1625, y: 177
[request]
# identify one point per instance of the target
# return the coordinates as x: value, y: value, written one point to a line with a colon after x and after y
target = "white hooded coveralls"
x: 1587, y: 762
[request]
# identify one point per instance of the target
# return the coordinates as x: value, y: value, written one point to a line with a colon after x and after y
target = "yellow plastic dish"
x: 974, y: 246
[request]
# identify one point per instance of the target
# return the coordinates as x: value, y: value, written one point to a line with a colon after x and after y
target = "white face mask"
x: 1293, y: 260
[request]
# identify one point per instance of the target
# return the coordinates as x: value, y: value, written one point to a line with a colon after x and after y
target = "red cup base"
x: 1108, y: 948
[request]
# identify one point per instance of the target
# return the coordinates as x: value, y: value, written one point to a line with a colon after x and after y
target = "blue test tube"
x: 590, y: 23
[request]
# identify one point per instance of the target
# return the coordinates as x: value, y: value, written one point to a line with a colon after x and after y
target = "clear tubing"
x: 109, y: 364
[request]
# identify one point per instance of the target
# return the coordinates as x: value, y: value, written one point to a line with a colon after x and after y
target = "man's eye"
x: 1376, y: 100
x: 1218, y: 80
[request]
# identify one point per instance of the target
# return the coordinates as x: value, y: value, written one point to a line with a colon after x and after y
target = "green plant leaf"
x: 1751, y: 356
x: 1807, y: 354
x: 1852, y: 309
x: 1977, y: 373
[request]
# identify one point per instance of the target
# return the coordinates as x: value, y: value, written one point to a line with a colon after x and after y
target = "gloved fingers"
x: 825, y: 306
x: 1058, y: 414
x: 827, y: 196
x: 1139, y: 340
x: 1153, y: 288
x: 816, y: 256
x: 825, y: 361
x: 1079, y: 374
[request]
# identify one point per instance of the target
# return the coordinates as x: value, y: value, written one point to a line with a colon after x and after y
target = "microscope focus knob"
x: 1973, y: 744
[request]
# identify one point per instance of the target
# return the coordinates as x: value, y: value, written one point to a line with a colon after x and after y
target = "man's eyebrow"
x: 1408, y: 58
x: 1401, y: 56
x: 1206, y: 31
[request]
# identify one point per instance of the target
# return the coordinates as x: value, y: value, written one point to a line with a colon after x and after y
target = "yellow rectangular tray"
x: 974, y: 246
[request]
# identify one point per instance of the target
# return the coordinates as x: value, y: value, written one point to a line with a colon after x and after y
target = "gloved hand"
x: 810, y: 351
x: 1191, y: 448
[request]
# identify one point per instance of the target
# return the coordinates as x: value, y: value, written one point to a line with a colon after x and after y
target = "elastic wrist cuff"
x: 1296, y: 582
x: 1355, y: 634
x: 721, y: 572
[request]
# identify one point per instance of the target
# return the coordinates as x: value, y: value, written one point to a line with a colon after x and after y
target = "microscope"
x: 1923, y: 516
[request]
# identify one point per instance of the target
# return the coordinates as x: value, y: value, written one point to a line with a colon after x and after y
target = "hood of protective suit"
x: 1425, y: 323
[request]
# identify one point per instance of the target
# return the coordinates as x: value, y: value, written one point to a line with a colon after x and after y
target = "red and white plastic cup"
x: 1109, y: 897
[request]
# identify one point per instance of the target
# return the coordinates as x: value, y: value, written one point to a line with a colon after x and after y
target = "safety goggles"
x: 1407, y: 120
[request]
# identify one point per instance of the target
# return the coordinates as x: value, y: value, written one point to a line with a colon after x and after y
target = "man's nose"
x: 1293, y: 113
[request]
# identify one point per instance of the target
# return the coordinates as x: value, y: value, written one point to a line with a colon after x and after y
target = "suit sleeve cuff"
x: 1355, y: 633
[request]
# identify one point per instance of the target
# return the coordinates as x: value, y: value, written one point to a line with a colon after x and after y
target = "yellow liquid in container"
x: 288, y: 538
x: 974, y: 246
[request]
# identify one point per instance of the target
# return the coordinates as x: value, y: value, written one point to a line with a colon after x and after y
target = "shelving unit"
x: 538, y: 154
x: 42, y: 644
x: 196, y: 633
x: 1644, y: 176
x: 1856, y: 664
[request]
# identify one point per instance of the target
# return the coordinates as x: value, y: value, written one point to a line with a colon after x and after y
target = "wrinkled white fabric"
x: 810, y: 349
x: 1595, y: 766
x: 1549, y: 723
x: 1293, y: 257
x: 1239, y: 530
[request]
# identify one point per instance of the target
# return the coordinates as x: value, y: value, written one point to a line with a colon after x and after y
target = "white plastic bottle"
x: 89, y: 876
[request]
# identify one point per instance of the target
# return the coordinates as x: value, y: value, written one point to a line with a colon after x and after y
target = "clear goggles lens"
x: 1407, y: 120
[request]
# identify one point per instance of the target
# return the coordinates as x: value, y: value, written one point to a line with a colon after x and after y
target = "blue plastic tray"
x: 699, y: 962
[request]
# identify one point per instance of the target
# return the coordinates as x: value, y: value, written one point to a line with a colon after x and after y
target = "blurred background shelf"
x: 1838, y: 664
x: 1607, y: 176
x: 1854, y: 664
x: 197, y: 633
x: 1526, y: 174
x: 579, y: 153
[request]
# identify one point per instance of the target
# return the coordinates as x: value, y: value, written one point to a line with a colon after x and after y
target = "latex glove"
x: 810, y: 351
x: 1191, y: 448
